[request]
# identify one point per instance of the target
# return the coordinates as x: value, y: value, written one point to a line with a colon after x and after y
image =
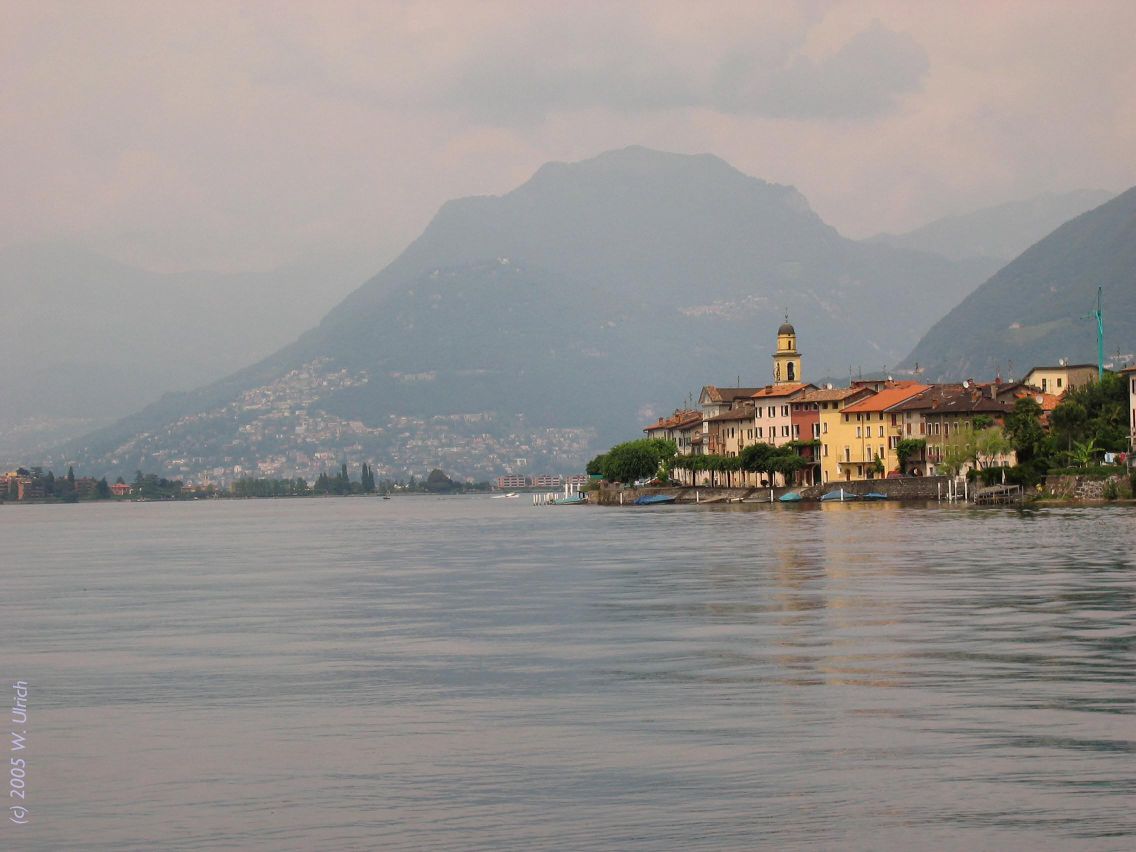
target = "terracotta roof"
x: 778, y: 391
x: 1047, y: 401
x: 893, y: 394
x: 831, y: 394
x: 679, y: 418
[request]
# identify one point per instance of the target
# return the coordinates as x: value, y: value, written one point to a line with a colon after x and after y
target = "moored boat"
x: 653, y: 500
x: 790, y: 497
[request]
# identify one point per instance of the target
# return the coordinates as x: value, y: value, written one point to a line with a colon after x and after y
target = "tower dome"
x: 786, y: 328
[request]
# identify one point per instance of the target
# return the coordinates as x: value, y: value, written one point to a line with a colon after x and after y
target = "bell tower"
x: 786, y: 360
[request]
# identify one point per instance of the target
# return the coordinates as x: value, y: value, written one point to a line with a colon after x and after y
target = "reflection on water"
x: 459, y: 673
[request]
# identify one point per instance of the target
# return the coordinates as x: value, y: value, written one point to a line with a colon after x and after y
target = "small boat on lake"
x: 790, y: 497
x: 576, y: 499
x: 840, y: 494
x: 875, y: 495
x: 508, y: 496
x: 653, y: 500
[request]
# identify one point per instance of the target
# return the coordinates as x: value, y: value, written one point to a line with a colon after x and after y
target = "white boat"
x: 509, y: 496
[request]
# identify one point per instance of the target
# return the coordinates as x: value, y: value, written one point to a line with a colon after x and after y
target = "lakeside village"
x: 1072, y: 426
x: 1067, y: 430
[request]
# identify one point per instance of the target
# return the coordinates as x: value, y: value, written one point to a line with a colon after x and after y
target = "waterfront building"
x: 944, y: 416
x: 814, y: 414
x: 855, y: 444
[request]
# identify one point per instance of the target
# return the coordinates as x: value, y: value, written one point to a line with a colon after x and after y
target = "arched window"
x: 792, y: 371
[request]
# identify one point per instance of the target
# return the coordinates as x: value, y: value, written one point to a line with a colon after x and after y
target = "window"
x: 824, y: 447
x: 922, y: 428
x: 784, y: 411
x: 1059, y: 383
x: 857, y: 418
x: 847, y: 454
x: 796, y: 430
x: 824, y: 427
x: 880, y: 454
x: 757, y: 413
x: 881, y: 431
x: 784, y: 431
x: 816, y: 430
x: 858, y: 432
x: 908, y: 428
x: 772, y: 412
x: 845, y: 416
x: 760, y: 429
x: 1044, y: 385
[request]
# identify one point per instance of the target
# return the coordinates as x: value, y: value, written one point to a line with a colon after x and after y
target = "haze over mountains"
x: 1001, y: 232
x: 592, y: 297
x: 1033, y: 311
x: 88, y: 340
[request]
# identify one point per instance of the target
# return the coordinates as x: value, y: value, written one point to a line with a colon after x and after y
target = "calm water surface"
x: 467, y: 673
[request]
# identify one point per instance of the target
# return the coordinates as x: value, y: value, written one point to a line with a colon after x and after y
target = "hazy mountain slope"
x: 88, y: 339
x: 596, y: 293
x: 1031, y: 312
x: 999, y: 233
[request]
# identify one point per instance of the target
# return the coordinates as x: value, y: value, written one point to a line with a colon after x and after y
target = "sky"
x: 243, y: 136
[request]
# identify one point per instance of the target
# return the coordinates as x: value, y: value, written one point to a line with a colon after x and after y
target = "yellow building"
x: 1057, y: 380
x: 856, y: 436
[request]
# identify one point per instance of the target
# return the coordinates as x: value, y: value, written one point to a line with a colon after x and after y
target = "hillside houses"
x: 868, y: 430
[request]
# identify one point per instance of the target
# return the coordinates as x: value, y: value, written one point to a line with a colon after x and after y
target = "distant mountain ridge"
x: 592, y: 296
x: 1033, y: 311
x: 1001, y: 232
x: 88, y: 339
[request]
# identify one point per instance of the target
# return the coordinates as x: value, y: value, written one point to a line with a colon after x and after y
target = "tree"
x: 639, y: 459
x: 102, y: 490
x: 1024, y: 429
x: 989, y: 444
x: 438, y: 482
x: 596, y: 466
x: 906, y: 449
x: 1097, y: 411
x: 1083, y: 453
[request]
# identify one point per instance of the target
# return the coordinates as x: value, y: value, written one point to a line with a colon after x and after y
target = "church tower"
x: 786, y: 360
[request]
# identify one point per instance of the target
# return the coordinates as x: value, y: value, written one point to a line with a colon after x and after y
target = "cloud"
x: 864, y: 79
x: 523, y: 78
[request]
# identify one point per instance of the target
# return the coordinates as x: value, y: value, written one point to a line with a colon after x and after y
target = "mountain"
x: 88, y: 339
x: 1000, y: 233
x: 549, y: 321
x: 1033, y: 311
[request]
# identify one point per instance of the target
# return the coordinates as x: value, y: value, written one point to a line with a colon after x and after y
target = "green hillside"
x: 1032, y: 311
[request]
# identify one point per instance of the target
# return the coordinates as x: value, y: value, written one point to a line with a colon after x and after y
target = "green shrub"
x: 1091, y: 472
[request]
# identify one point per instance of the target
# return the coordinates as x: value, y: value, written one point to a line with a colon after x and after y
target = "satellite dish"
x: 965, y: 384
x: 1063, y: 361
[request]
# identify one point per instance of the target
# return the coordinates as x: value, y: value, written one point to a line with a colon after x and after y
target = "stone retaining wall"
x: 908, y: 488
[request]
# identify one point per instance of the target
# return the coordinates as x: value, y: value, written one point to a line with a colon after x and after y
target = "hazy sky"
x: 242, y: 135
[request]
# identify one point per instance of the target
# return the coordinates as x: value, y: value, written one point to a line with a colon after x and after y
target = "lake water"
x: 467, y: 673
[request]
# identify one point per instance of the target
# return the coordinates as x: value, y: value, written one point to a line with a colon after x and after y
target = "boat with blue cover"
x: 840, y: 494
x: 653, y: 500
x: 790, y: 497
x: 875, y: 495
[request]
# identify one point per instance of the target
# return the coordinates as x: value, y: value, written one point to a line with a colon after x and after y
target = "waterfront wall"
x: 910, y: 488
